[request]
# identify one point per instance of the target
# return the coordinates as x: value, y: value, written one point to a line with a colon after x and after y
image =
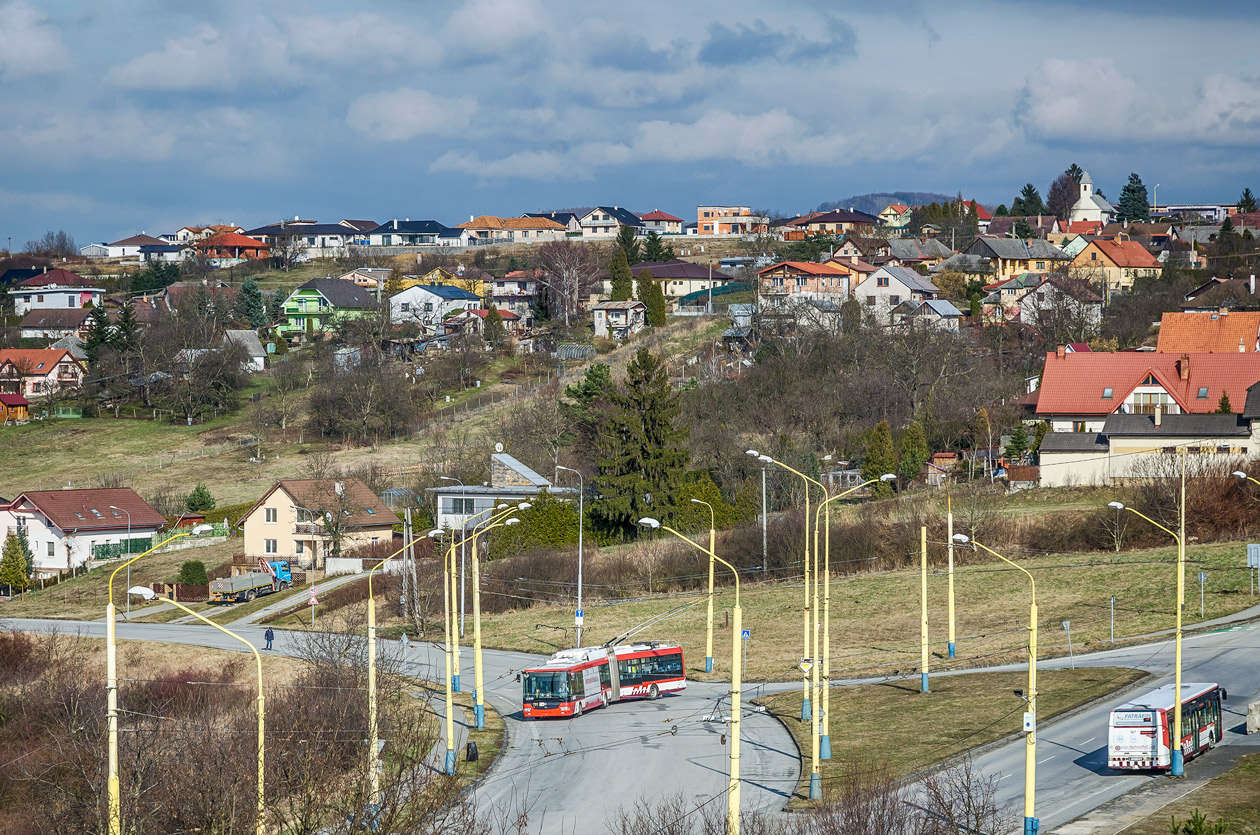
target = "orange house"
x: 232, y: 246
x: 730, y: 220
x: 805, y: 279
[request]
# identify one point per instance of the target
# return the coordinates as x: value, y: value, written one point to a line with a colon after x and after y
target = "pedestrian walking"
x: 269, y: 635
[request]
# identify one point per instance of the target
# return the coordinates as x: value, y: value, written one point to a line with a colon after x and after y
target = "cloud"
x: 29, y: 43
x: 406, y: 113
x: 629, y: 52
x: 362, y: 40
x: 494, y: 29
x: 210, y: 60
x: 739, y: 44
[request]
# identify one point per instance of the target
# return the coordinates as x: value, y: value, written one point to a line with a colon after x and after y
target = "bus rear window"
x: 1132, y: 718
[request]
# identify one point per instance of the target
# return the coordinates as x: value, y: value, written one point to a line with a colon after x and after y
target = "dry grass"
x: 1230, y: 799
x: 913, y: 730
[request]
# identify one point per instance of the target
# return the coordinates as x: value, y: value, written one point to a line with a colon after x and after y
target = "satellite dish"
x: 498, y: 447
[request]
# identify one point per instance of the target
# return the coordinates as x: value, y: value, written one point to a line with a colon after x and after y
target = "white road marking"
x: 1088, y: 741
x: 1003, y: 777
x: 1046, y: 760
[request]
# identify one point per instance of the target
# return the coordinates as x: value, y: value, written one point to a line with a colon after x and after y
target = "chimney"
x: 1060, y: 352
x: 1183, y: 367
x: 1241, y: 348
x: 1159, y: 415
x: 1252, y: 284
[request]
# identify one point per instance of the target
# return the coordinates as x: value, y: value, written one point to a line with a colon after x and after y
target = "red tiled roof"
x: 806, y: 267
x: 1073, y: 384
x: 482, y: 313
x: 1126, y: 253
x: 1084, y: 227
x: 73, y: 510
x: 232, y: 240
x: 657, y: 214
x: 59, y: 277
x: 981, y: 212
x: 34, y: 360
x: 1209, y: 332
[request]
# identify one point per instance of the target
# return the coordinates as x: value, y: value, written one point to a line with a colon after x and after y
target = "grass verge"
x: 1229, y: 799
x: 913, y: 730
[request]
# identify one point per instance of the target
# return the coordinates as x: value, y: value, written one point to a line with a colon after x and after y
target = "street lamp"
x: 437, y: 533
x: 114, y: 826
x: 824, y: 740
x: 124, y: 510
x: 1030, y: 749
x: 1178, y: 768
x: 463, y: 531
x: 737, y: 615
x: 708, y: 620
x: 374, y: 779
x: 479, y: 695
x: 259, y: 823
x: 581, y: 521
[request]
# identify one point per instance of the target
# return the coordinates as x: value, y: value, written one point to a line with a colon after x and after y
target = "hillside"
x: 876, y: 202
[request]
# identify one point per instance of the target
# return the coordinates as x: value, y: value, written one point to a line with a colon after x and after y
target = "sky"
x: 122, y: 116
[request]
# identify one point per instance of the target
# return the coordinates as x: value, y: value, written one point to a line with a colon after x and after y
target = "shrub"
x: 199, y: 500
x: 192, y: 573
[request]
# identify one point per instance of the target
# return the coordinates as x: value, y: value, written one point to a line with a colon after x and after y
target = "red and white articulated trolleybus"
x: 576, y: 680
x: 1139, y: 738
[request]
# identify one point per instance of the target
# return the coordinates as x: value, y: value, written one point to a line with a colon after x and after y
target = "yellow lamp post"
x: 455, y: 595
x: 114, y: 824
x: 708, y: 618
x: 447, y: 581
x: 737, y: 674
x: 824, y: 741
x: 374, y: 777
x: 1178, y: 768
x: 1030, y: 720
x: 260, y: 818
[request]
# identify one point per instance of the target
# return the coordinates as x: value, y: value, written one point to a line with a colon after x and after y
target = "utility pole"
x: 765, y: 563
x: 923, y: 609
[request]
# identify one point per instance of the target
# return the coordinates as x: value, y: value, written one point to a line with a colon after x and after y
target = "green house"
x: 316, y: 306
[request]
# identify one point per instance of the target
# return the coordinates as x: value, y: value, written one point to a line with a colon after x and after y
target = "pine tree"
x: 275, y: 306
x: 249, y: 305
x: 654, y: 247
x: 1075, y: 172
x: 880, y: 458
x: 1001, y: 211
x: 977, y: 310
x: 13, y: 571
x: 495, y: 332
x: 1247, y: 202
x: 1133, y: 205
x: 1028, y: 202
x: 1018, y: 446
x: 628, y: 242
x: 126, y: 330
x: 1224, y: 407
x: 27, y: 553
x: 914, y: 452
x: 193, y: 573
x: 100, y: 334
x: 653, y: 296
x: 851, y: 317
x: 199, y: 500
x: 622, y: 284
x: 643, y: 457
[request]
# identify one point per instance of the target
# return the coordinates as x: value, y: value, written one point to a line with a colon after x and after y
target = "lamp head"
x: 754, y: 453
x: 696, y: 501
x: 448, y: 478
x: 524, y: 506
x: 961, y: 537
x: 512, y: 521
x: 1237, y: 474
x: 888, y: 477
x: 649, y: 523
x: 1116, y: 505
x: 436, y: 533
x: 826, y: 457
x: 765, y: 459
x: 142, y: 591
x: 501, y: 506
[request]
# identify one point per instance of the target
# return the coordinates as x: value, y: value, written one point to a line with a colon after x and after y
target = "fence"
x: 114, y: 550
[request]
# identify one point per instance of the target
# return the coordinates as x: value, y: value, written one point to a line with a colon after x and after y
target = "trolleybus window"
x: 576, y: 687
x: 546, y: 685
x: 637, y: 670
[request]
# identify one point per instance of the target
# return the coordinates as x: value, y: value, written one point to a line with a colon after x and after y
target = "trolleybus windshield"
x: 546, y: 684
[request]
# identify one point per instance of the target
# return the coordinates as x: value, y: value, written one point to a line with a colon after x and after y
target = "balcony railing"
x: 309, y: 529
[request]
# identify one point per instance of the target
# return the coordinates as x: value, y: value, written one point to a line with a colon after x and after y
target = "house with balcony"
x: 606, y: 222
x: 408, y: 232
x: 517, y: 291
x: 66, y: 528
x: 427, y: 305
x: 730, y: 220
x: 55, y: 289
x: 462, y: 507
x: 38, y: 372
x: 798, y: 281
x: 315, y: 306
x: 662, y: 223
x: 309, y: 520
x: 619, y: 320
x: 488, y: 229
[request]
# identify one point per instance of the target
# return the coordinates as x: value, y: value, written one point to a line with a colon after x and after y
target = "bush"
x: 192, y: 573
x: 199, y: 500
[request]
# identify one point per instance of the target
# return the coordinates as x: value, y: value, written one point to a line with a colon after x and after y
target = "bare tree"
x: 569, y: 269
x: 960, y: 800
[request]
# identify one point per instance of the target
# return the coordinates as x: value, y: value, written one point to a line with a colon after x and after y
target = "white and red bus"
x: 576, y: 680
x: 1139, y: 738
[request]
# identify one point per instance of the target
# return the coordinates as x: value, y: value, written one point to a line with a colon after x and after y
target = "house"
x: 464, y: 506
x: 55, y: 288
x: 837, y: 222
x: 38, y: 372
x: 488, y: 229
x: 55, y: 323
x: 971, y: 267
x: 571, y: 221
x: 370, y: 277
x: 312, y: 238
x: 1079, y: 391
x: 227, y: 248
x: 1215, y: 332
x: 677, y: 278
x: 1040, y: 226
x: 604, y: 222
x: 1002, y: 299
x: 785, y: 281
x: 890, y: 286
x: 428, y: 304
x: 253, y: 346
x: 1114, y: 264
x: 15, y: 409
x: 1067, y: 295
x: 619, y: 320
x: 895, y: 217
x: 1090, y: 206
x: 1011, y: 256
x: 912, y: 252
x: 663, y: 223
x: 730, y: 220
x: 166, y: 253
x: 191, y: 234
x: 315, y: 306
x: 933, y: 313
x: 474, y: 321
x: 66, y: 528
x: 1222, y: 293
x: 308, y: 520
x: 410, y: 232
x: 150, y: 308
x: 517, y: 291
x: 126, y: 248
x: 1142, y: 446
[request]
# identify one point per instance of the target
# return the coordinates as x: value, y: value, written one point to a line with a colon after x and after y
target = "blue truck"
x: 271, y: 576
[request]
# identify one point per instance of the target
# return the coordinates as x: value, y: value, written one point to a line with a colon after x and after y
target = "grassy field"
x: 913, y: 730
x: 875, y: 617
x: 1229, y: 799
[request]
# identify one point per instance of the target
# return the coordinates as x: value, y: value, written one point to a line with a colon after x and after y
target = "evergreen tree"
x: 1021, y: 229
x: 126, y: 330
x: 653, y: 296
x: 249, y: 305
x: 1039, y: 434
x: 193, y: 573
x: 914, y: 452
x: 1133, y: 205
x: 589, y: 396
x: 977, y: 310
x: 1224, y: 407
x: 1247, y: 202
x: 654, y: 247
x: 622, y: 284
x: 1018, y: 446
x: 275, y: 306
x: 851, y: 316
x: 880, y: 458
x: 1028, y: 202
x: 1001, y: 211
x: 27, y: 553
x: 495, y: 333
x: 100, y: 334
x: 199, y: 500
x: 1075, y: 172
x: 643, y: 456
x: 13, y: 571
x: 628, y: 242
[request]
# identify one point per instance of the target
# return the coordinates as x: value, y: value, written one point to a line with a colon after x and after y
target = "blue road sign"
x: 747, y: 634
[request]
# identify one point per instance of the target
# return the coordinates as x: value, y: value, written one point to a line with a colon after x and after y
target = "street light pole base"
x: 708, y: 664
x: 951, y: 649
x: 455, y: 683
x: 1178, y: 765
x: 479, y: 716
x: 1031, y: 825
x: 450, y: 762
x: 824, y: 747
x: 805, y: 710
x: 923, y: 683
x: 815, y: 787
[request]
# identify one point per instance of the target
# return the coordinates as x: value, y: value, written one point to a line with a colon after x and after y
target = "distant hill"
x: 876, y: 203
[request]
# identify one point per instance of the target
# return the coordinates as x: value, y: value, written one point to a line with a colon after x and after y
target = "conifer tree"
x: 126, y: 329
x: 643, y: 457
x: 249, y: 304
x: 880, y: 458
x: 1134, y: 205
x: 1018, y: 446
x: 622, y: 283
x: 13, y: 572
x: 199, y: 500
x: 914, y: 452
x: 100, y: 334
x: 1224, y: 407
x: 654, y: 247
x: 628, y: 242
x: 275, y: 306
x: 495, y: 333
x: 653, y: 297
x: 1075, y: 172
x: 1247, y: 202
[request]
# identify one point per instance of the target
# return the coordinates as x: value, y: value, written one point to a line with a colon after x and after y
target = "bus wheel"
x: 654, y: 692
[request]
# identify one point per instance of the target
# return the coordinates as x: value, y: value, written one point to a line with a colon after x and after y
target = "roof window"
x: 1203, y: 392
x: 370, y: 511
x: 1107, y: 393
x: 80, y: 515
x: 96, y: 513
